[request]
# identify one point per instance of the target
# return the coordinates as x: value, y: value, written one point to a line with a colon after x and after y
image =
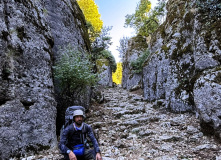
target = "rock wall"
x: 30, y: 34
x: 184, y: 68
x: 28, y: 106
x: 136, y: 47
x: 104, y: 72
x: 68, y: 27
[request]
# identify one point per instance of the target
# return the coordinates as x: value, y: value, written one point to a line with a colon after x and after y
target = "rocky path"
x: 132, y: 129
x: 129, y: 128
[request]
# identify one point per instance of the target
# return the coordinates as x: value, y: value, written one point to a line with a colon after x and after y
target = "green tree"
x: 138, y: 19
x: 145, y: 21
x: 100, y: 48
x: 108, y: 55
x: 122, y: 49
x: 102, y: 42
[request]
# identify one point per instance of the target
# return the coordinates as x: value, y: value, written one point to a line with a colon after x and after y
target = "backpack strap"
x: 83, y: 133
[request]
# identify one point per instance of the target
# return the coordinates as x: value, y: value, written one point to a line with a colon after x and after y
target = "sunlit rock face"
x: 30, y: 34
x: 184, y: 67
x: 104, y: 72
x: 136, y: 47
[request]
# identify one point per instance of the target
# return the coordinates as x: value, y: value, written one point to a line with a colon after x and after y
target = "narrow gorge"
x: 171, y: 109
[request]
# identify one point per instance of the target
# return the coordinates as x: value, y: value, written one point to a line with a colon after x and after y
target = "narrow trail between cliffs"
x: 129, y: 128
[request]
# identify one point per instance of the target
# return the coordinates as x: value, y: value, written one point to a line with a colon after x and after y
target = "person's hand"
x: 72, y: 156
x: 98, y: 156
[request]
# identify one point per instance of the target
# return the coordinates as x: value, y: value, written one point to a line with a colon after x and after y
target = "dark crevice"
x: 21, y: 32
x: 2, y: 102
x: 6, y: 13
x: 27, y: 104
x: 6, y: 73
x: 207, y: 128
x: 5, y: 35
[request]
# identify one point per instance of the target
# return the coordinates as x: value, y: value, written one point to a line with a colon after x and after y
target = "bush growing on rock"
x: 74, y: 70
x: 137, y: 65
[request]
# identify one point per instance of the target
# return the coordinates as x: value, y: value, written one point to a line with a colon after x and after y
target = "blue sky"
x: 113, y: 13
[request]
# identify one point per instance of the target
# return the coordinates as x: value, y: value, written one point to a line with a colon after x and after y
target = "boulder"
x: 207, y: 97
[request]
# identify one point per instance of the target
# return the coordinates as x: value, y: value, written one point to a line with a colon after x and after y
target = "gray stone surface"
x: 104, y: 73
x: 31, y: 33
x: 68, y: 27
x: 27, y: 103
x: 184, y: 53
x: 152, y: 139
x: 207, y: 97
x: 135, y: 48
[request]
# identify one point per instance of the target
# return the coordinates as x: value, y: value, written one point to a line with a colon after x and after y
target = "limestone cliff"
x: 136, y: 47
x: 68, y: 27
x: 184, y: 68
x: 183, y: 72
x: 104, y: 72
x: 30, y: 34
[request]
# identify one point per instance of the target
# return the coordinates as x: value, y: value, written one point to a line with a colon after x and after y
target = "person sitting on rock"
x: 75, y: 135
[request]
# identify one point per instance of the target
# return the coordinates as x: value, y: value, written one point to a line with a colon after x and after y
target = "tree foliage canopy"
x: 92, y: 16
x: 145, y: 21
x: 122, y: 49
x: 117, y: 75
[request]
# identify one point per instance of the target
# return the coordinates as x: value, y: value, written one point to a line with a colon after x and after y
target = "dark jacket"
x: 70, y: 137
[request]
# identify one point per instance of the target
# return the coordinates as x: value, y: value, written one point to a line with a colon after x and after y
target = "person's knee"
x: 90, y: 154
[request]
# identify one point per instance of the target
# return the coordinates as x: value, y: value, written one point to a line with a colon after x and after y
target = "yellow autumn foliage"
x: 117, y: 76
x: 92, y: 16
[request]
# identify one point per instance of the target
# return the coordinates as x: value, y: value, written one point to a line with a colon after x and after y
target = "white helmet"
x: 78, y: 113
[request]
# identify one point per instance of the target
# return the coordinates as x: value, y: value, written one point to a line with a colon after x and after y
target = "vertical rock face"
x: 30, y: 34
x: 67, y: 24
x: 68, y: 27
x: 105, y: 73
x: 207, y: 97
x: 27, y: 104
x: 184, y: 67
x: 136, y: 47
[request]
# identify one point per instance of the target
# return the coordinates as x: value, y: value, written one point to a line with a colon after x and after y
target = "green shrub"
x: 74, y: 70
x: 137, y: 65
